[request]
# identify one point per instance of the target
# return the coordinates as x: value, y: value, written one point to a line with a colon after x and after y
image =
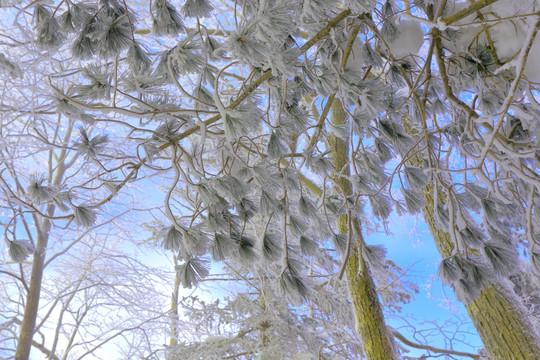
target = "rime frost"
x: 273, y: 137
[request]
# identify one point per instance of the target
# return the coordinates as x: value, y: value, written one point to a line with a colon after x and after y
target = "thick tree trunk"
x: 370, y: 324
x: 503, y: 325
x: 498, y: 315
x: 32, y: 297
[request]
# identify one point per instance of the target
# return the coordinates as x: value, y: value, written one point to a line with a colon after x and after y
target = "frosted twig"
x: 503, y: 110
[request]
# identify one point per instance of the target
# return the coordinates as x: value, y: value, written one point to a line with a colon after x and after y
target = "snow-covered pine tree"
x: 480, y: 219
x: 229, y: 103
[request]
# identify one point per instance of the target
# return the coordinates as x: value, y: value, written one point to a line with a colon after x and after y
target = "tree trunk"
x: 174, y: 306
x: 43, y: 228
x: 370, y: 324
x: 32, y: 298
x: 498, y: 315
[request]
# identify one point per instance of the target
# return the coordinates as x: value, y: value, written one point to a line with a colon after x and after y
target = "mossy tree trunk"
x: 497, y: 313
x: 370, y: 324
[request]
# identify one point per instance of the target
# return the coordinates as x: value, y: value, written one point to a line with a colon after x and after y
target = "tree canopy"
x: 275, y: 135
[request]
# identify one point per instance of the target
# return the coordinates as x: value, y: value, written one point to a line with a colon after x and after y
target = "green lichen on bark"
x: 497, y: 314
x: 370, y: 324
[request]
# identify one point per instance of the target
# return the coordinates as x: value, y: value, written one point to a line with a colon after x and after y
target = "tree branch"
x: 407, y: 342
x: 252, y: 87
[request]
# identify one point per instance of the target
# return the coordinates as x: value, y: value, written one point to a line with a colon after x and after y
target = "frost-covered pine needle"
x: 39, y: 193
x: 167, y: 21
x: 503, y: 260
x: 173, y: 239
x: 84, y: 216
x: 197, y: 8
x: 193, y: 271
x: 19, y: 250
x: 270, y: 248
x: 222, y: 247
x: 90, y: 147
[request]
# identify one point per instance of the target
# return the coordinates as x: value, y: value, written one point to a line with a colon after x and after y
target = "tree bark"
x: 370, y: 325
x: 377, y: 342
x: 498, y: 314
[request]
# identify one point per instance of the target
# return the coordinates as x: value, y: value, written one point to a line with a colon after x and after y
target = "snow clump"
x: 408, y: 39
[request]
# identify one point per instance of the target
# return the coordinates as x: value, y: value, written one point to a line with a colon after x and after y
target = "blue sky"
x: 411, y: 246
